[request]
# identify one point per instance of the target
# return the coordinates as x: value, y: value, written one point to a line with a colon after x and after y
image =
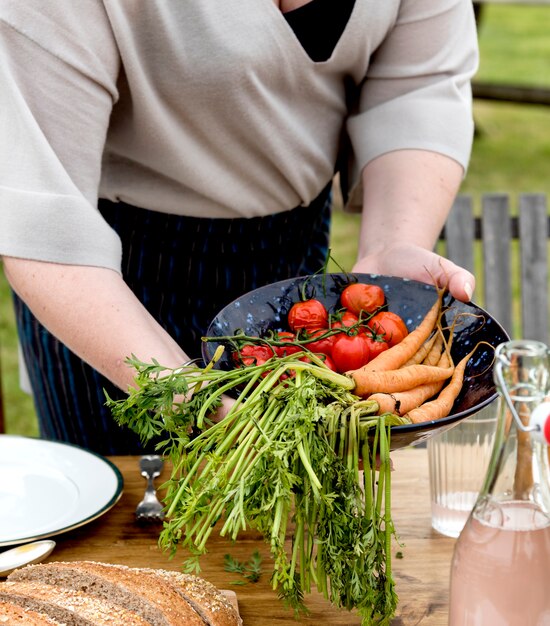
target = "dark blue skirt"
x: 184, y: 270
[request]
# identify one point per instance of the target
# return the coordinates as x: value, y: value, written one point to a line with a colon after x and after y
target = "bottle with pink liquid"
x: 500, y: 572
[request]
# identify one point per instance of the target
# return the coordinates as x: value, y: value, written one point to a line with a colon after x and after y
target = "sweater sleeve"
x: 417, y: 92
x: 57, y: 88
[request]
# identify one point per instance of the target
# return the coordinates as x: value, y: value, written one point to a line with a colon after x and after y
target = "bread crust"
x: 160, y: 605
x: 70, y: 607
x: 207, y: 600
x: 12, y: 614
x: 162, y: 597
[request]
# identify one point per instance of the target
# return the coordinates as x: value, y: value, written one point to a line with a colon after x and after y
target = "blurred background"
x: 511, y: 154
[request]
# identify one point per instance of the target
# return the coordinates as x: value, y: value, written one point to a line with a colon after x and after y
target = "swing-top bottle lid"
x: 540, y: 418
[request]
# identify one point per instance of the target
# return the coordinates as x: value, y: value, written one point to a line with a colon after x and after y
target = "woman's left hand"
x: 411, y: 261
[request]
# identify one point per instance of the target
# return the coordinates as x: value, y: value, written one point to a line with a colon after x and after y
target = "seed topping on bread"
x: 70, y: 607
x: 156, y: 596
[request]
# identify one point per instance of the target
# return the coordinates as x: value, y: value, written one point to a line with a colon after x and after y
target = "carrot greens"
x: 250, y: 571
x: 287, y: 461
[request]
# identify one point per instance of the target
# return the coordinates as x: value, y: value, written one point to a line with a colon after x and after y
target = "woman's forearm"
x: 94, y: 313
x: 407, y: 195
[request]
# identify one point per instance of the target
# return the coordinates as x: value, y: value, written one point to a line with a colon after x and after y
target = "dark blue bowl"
x: 266, y: 309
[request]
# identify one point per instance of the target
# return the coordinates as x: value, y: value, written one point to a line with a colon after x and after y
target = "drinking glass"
x: 458, y: 460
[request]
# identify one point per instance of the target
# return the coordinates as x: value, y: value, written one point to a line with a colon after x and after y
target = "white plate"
x: 47, y: 488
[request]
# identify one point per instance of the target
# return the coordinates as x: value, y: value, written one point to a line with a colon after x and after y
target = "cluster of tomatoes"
x: 345, y: 340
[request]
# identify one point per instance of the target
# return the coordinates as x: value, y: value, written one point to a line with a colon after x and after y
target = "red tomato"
x: 390, y: 326
x: 253, y: 354
x: 325, y: 358
x: 287, y: 337
x: 350, y: 352
x: 328, y: 361
x: 308, y: 314
x: 359, y: 297
x: 376, y: 346
x: 322, y: 345
x: 347, y: 319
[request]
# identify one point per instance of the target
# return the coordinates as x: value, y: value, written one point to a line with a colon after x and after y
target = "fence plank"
x: 511, y: 93
x: 534, y: 266
x: 497, y: 276
x: 460, y: 233
x: 497, y: 230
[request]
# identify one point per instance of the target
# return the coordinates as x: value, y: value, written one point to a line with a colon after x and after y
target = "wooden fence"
x: 506, y: 247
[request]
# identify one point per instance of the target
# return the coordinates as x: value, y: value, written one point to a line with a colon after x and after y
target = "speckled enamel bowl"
x: 266, y: 309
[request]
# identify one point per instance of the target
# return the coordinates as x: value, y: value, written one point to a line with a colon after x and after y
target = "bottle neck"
x: 519, y: 470
x: 519, y: 464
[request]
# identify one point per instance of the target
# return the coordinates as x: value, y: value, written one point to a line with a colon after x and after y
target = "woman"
x: 162, y: 158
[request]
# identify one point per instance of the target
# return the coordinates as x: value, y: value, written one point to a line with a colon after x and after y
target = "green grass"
x: 511, y: 150
x: 511, y: 154
x: 514, y: 45
x: 18, y: 406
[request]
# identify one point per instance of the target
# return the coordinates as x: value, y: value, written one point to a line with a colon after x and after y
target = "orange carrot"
x: 425, y: 349
x: 445, y: 360
x: 402, y: 402
x: 433, y: 356
x: 442, y: 405
x: 407, y: 377
x: 400, y: 353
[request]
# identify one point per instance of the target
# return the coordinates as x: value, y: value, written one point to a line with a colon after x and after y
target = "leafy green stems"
x: 286, y: 460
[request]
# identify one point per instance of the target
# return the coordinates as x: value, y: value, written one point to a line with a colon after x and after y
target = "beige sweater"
x: 208, y: 108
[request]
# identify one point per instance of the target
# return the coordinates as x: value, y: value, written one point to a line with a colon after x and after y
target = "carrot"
x: 368, y: 382
x: 400, y: 353
x: 442, y: 405
x: 434, y: 354
x: 425, y: 349
x: 445, y: 360
x: 402, y: 402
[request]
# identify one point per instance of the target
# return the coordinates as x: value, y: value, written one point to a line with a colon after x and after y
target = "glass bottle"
x: 500, y: 571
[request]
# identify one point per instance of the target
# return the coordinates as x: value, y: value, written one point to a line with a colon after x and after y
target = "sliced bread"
x: 160, y: 605
x: 12, y: 614
x: 70, y: 607
x: 205, y: 598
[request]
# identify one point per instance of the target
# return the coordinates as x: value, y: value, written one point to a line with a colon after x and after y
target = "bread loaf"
x: 70, y: 607
x: 12, y: 614
x: 205, y: 598
x: 158, y: 596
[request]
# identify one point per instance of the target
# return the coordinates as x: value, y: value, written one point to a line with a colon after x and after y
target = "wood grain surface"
x: 422, y: 574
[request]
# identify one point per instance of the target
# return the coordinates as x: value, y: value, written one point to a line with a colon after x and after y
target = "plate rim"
x: 115, y: 497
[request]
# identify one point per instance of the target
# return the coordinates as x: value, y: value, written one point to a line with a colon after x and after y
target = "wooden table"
x: 422, y: 574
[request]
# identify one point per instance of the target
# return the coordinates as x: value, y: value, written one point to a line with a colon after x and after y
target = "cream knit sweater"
x: 208, y: 108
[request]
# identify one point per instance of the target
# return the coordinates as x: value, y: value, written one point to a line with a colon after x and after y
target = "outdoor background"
x: 511, y: 154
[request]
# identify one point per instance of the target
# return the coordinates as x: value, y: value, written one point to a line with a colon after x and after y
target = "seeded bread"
x: 13, y: 614
x: 70, y: 607
x: 204, y: 597
x: 160, y: 605
x: 162, y: 597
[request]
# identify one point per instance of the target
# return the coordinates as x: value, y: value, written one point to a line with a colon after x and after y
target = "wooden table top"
x: 422, y: 575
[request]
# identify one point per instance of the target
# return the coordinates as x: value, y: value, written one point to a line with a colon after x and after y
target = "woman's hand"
x: 408, y: 260
x: 227, y: 403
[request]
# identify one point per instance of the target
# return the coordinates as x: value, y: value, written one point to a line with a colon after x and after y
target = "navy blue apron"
x: 184, y: 270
